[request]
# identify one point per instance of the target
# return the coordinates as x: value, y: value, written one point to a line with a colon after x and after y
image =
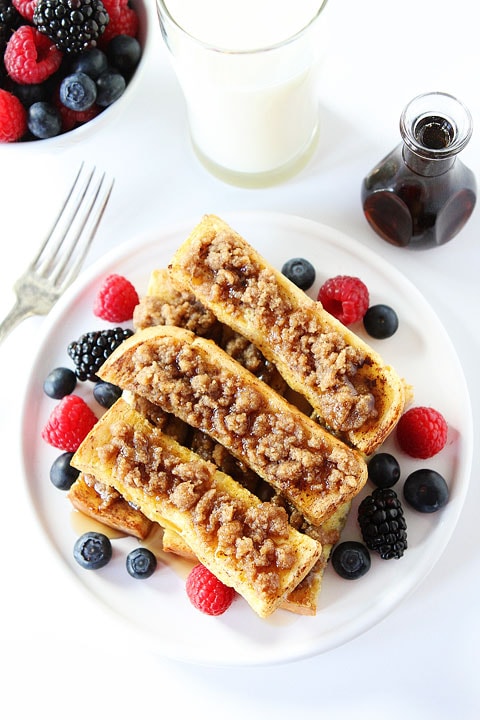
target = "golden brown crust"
x: 303, y: 599
x: 109, y: 508
x: 247, y: 544
x: 120, y: 515
x: 163, y: 295
x: 174, y: 543
x: 354, y: 393
x: 165, y: 304
x: 194, y: 379
x: 170, y: 302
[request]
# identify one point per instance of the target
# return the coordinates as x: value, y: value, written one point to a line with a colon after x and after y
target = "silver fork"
x: 63, y: 251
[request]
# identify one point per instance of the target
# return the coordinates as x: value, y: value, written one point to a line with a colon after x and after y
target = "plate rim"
x: 133, y: 246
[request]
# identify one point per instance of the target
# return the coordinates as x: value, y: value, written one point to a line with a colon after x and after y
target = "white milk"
x: 250, y: 112
x: 242, y: 24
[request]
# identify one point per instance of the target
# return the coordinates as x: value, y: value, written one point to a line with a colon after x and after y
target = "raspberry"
x: 30, y: 57
x: 116, y: 299
x: 69, y: 423
x: 422, y: 432
x: 26, y: 8
x: 123, y: 21
x: 207, y: 593
x: 13, y: 117
x: 345, y: 297
x: 50, y: 32
x: 114, y: 6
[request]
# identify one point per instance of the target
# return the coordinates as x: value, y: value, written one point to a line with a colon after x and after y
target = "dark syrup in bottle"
x: 421, y: 194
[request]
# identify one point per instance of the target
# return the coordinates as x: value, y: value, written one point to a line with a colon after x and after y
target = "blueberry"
x: 44, y: 120
x: 300, y: 271
x: 383, y: 470
x: 59, y: 382
x: 426, y: 490
x: 92, y: 550
x: 106, y: 394
x: 31, y: 93
x: 62, y: 474
x: 78, y: 91
x: 380, y: 321
x: 92, y: 62
x: 124, y: 53
x: 110, y: 86
x: 351, y: 559
x: 141, y: 563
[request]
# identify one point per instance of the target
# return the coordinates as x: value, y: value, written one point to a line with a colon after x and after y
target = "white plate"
x: 158, y: 607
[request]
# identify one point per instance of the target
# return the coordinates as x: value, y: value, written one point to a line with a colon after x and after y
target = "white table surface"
x: 421, y: 661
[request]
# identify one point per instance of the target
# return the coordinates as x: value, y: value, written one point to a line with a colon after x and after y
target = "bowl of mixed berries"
x: 65, y: 63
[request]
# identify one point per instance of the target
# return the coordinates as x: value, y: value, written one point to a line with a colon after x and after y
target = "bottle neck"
x: 426, y: 166
x: 434, y: 127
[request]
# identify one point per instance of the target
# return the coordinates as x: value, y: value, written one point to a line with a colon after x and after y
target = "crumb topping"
x: 230, y: 275
x: 212, y: 398
x: 183, y: 311
x: 108, y: 495
x: 253, y: 534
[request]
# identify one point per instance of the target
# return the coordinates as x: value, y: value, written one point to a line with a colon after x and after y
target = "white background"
x: 62, y: 656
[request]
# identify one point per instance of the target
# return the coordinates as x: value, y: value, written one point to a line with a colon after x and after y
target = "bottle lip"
x: 436, y: 125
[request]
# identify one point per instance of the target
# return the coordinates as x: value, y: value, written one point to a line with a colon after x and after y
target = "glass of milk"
x: 247, y: 69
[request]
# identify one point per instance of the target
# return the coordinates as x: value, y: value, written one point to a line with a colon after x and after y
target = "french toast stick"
x: 303, y: 599
x: 88, y: 496
x: 165, y: 304
x: 353, y: 392
x: 120, y: 515
x: 163, y: 294
x: 194, y: 379
x: 247, y: 544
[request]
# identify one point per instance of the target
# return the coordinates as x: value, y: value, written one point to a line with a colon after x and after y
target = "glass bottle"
x: 421, y: 194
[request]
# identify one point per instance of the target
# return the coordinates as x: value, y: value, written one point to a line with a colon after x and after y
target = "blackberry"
x: 73, y: 25
x: 382, y: 522
x: 91, y: 350
x: 10, y: 20
x: 9, y: 16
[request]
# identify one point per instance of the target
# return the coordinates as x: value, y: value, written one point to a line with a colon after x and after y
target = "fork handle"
x: 18, y: 313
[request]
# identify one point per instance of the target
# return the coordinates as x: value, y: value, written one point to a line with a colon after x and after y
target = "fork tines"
x: 69, y: 239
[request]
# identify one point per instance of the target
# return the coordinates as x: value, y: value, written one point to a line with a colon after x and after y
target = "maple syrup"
x: 82, y: 523
x: 421, y: 194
